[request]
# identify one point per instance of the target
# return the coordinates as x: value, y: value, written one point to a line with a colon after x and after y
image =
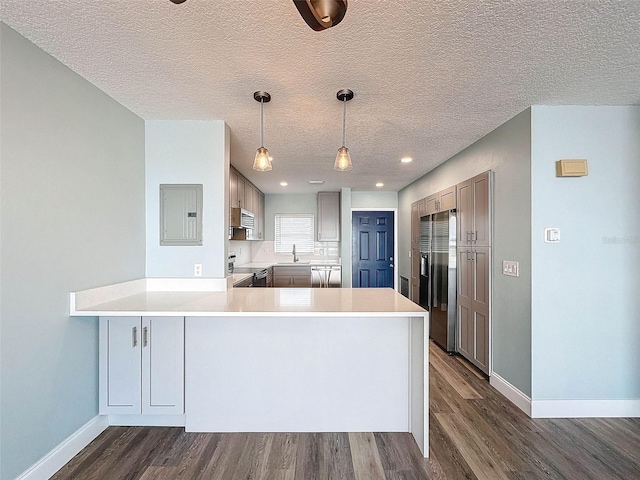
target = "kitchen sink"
x: 294, y: 263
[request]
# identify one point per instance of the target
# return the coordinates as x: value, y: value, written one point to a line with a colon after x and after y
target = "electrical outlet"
x: 197, y: 270
x: 510, y: 268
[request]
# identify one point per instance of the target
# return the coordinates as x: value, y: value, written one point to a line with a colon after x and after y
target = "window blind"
x: 294, y: 229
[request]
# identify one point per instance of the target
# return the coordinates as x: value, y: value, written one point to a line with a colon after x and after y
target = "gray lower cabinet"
x: 292, y: 276
x: 474, y: 266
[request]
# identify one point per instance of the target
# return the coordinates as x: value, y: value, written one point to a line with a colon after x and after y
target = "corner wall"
x: 507, y: 152
x: 72, y: 209
x: 586, y: 309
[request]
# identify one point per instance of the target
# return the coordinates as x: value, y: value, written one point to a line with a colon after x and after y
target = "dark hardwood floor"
x: 475, y: 433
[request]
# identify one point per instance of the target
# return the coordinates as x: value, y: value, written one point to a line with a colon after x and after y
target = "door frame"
x: 395, y: 240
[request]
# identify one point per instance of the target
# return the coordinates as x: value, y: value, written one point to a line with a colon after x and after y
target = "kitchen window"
x: 294, y: 229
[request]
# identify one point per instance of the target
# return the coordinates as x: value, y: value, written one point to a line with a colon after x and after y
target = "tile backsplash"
x: 264, y: 252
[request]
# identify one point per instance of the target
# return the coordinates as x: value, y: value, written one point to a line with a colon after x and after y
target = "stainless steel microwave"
x: 241, y: 218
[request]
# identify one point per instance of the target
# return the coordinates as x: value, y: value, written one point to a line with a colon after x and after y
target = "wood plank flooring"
x: 475, y: 434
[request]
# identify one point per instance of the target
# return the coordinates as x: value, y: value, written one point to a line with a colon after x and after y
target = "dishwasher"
x: 326, y: 276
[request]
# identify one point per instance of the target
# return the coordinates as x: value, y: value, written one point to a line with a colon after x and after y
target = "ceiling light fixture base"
x: 261, y: 96
x: 344, y: 94
x: 321, y: 14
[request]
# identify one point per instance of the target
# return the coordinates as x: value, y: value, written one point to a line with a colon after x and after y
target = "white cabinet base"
x: 306, y: 374
x: 146, y: 420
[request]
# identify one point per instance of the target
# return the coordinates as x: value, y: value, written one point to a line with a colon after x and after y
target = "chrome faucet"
x: 295, y: 259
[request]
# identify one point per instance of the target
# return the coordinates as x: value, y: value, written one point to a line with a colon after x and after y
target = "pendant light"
x: 262, y: 162
x: 343, y: 159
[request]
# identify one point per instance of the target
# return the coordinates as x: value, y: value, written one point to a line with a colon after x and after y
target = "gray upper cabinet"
x: 481, y: 217
x: 328, y: 217
x: 258, y: 205
x: 233, y: 189
x: 447, y: 199
x: 249, y: 196
x: 441, y: 201
x: 431, y: 205
x: 243, y: 194
x: 474, y: 219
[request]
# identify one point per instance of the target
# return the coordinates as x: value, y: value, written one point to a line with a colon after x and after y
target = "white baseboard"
x: 516, y: 397
x: 65, y: 451
x: 585, y: 408
x: 147, y: 420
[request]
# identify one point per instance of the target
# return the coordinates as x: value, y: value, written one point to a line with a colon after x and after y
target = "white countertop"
x: 318, y: 302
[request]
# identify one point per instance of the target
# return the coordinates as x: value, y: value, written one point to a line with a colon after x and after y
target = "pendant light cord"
x: 262, y: 122
x: 344, y: 120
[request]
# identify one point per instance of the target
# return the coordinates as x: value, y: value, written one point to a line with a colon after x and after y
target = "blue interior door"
x: 372, y: 257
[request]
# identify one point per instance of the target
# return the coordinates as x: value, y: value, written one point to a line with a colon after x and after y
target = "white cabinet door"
x: 163, y: 365
x: 120, y: 365
x: 141, y: 365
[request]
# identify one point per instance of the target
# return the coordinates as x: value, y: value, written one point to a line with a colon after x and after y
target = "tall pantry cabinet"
x: 474, y: 268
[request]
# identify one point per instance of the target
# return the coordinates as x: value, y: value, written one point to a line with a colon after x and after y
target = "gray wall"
x: 507, y: 152
x: 191, y: 152
x: 72, y: 209
x: 374, y: 199
x: 586, y: 308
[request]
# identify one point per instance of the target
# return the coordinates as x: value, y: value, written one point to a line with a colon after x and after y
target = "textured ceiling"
x: 430, y: 77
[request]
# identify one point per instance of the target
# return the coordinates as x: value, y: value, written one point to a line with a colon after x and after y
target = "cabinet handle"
x: 145, y: 336
x: 134, y: 332
x: 468, y: 237
x: 475, y: 237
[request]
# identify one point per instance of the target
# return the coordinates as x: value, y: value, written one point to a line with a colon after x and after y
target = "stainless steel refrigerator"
x: 438, y: 276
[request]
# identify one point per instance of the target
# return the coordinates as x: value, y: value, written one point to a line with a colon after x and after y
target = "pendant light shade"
x: 262, y: 161
x: 343, y: 159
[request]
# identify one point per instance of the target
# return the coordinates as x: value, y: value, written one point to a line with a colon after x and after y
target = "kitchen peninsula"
x: 280, y: 359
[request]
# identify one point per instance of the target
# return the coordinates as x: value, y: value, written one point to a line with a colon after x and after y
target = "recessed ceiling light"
x: 379, y: 184
x: 406, y: 159
x: 316, y: 182
x: 284, y: 184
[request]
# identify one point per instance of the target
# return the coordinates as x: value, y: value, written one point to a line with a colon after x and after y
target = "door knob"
x: 391, y: 265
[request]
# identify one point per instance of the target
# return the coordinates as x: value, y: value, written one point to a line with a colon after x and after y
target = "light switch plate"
x: 510, y: 268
